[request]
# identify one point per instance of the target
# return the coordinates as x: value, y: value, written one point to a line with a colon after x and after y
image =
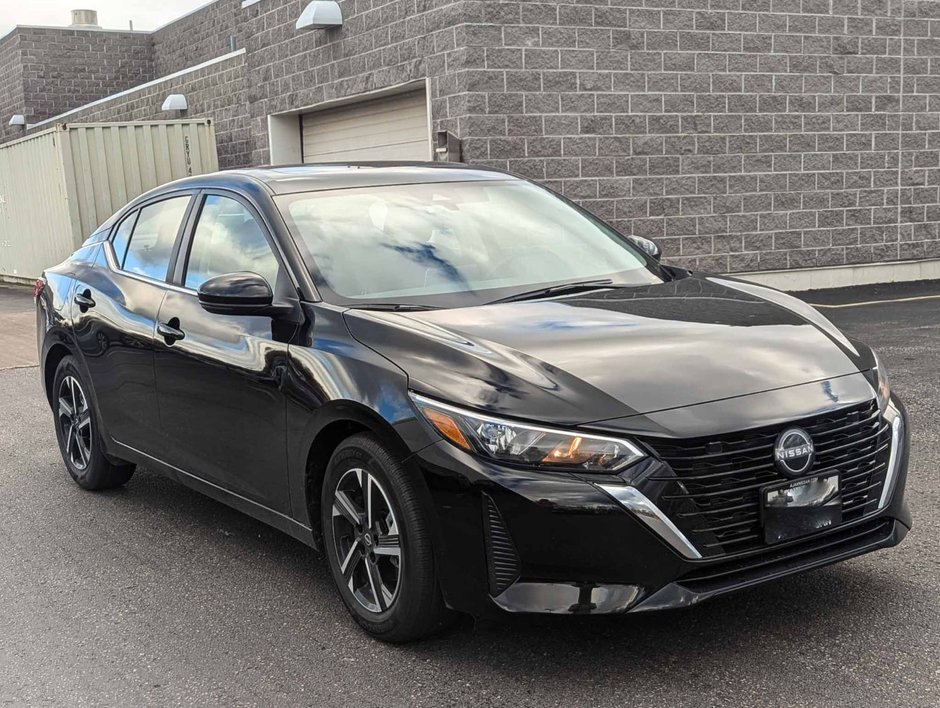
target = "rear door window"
x: 154, y: 236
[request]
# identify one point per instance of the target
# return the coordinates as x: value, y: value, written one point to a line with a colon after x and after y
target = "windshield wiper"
x: 562, y: 289
x: 393, y: 307
x: 557, y: 290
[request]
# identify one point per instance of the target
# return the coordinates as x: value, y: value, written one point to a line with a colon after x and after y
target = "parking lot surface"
x: 18, y: 324
x: 155, y: 595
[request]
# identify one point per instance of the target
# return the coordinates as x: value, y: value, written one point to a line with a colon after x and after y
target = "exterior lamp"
x: 175, y: 102
x: 320, y: 14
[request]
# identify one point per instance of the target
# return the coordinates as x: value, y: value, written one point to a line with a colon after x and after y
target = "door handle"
x: 83, y: 300
x: 170, y: 331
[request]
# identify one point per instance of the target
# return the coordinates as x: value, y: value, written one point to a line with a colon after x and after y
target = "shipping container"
x: 59, y: 185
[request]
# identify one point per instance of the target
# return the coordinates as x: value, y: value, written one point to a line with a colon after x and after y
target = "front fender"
x: 331, y: 379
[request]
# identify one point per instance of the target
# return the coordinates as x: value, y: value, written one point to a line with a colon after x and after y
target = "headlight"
x: 520, y: 444
x: 882, y: 387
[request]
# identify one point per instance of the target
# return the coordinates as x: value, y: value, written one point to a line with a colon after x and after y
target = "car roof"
x: 292, y: 179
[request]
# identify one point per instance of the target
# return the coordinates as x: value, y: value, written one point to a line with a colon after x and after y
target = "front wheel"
x: 78, y: 432
x: 378, y: 543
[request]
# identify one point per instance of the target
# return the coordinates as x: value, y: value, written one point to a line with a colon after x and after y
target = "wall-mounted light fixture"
x: 320, y: 14
x: 175, y: 102
x: 449, y: 148
x: 18, y: 119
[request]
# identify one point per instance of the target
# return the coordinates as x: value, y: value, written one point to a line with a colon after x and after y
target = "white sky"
x: 112, y: 14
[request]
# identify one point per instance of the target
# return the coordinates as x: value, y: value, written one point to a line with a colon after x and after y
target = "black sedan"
x: 468, y: 392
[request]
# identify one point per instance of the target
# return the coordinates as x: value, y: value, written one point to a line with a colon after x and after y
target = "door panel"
x: 115, y: 316
x: 115, y: 339
x: 219, y: 386
x: 221, y: 403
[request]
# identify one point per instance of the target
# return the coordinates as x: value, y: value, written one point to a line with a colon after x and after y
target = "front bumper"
x: 517, y: 541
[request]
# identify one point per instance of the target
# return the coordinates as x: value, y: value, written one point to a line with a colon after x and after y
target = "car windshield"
x: 453, y: 244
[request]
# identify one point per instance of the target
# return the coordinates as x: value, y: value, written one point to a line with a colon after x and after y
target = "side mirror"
x: 236, y: 294
x: 647, y: 246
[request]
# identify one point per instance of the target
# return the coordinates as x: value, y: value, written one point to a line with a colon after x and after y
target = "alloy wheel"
x: 366, y: 540
x: 75, y: 422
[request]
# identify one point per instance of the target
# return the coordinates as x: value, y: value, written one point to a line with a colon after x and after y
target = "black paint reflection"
x: 608, y: 353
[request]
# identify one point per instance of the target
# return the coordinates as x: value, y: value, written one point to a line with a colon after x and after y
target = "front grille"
x: 502, y: 559
x: 713, y: 497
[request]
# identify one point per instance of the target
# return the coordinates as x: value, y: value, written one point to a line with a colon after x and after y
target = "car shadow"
x: 782, y: 633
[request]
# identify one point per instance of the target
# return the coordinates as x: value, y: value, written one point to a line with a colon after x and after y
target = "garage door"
x: 394, y: 128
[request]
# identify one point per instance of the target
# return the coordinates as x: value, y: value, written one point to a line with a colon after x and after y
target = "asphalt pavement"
x: 156, y: 595
x: 18, y: 327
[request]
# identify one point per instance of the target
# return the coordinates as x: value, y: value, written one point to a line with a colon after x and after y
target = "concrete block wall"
x: 67, y: 68
x: 216, y: 92
x: 11, y: 85
x: 382, y: 43
x: 198, y: 37
x: 740, y: 134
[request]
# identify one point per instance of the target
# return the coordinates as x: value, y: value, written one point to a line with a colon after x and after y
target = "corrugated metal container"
x: 58, y: 186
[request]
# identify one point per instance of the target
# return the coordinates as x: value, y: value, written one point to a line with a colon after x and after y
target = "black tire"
x: 78, y: 432
x: 411, y: 606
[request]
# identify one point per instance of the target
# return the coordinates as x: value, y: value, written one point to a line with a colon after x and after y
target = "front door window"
x: 228, y: 239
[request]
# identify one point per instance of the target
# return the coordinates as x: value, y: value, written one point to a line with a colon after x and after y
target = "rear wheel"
x: 378, y: 543
x: 78, y: 432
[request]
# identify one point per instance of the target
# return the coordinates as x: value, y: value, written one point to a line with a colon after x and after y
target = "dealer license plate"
x: 801, y: 507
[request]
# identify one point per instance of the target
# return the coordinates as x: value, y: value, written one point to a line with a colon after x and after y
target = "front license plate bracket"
x: 801, y: 507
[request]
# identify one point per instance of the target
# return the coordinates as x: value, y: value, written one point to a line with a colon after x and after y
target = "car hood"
x: 613, y: 353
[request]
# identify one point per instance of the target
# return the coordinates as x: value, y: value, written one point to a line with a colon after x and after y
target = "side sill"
x: 280, y: 521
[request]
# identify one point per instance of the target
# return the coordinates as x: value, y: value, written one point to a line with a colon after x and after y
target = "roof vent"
x: 85, y: 19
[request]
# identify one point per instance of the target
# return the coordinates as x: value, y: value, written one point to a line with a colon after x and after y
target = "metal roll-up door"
x: 392, y: 128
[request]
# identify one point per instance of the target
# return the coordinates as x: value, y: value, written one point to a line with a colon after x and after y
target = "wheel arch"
x: 55, y: 352
x: 339, y: 421
x: 54, y: 356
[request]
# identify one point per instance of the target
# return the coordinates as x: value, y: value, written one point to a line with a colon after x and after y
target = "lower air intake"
x: 501, y: 557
